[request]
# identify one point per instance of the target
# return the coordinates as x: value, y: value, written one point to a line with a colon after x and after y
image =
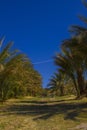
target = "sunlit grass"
x: 30, y: 113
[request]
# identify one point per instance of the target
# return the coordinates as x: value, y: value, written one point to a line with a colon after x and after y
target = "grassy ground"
x: 28, y: 113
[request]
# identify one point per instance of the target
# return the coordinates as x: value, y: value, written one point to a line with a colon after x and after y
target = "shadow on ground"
x: 44, y: 110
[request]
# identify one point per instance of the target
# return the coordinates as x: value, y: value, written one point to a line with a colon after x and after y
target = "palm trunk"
x: 80, y: 80
x: 62, y: 90
x: 76, y: 87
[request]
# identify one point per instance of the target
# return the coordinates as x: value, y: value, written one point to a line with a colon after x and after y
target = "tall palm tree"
x: 73, y: 62
x: 12, y: 65
x: 73, y: 59
x: 17, y: 75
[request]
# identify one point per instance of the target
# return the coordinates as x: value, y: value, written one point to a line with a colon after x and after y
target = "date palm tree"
x: 57, y: 83
x: 17, y: 75
x: 12, y: 64
x: 72, y: 61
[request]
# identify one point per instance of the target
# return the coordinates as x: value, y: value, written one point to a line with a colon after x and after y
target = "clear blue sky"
x: 37, y: 28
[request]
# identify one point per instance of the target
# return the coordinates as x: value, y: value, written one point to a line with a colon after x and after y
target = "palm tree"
x: 17, y: 75
x: 73, y: 62
x: 12, y: 69
x: 57, y: 83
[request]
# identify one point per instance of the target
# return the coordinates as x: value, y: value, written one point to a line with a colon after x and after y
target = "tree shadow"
x: 43, y: 102
x: 44, y: 110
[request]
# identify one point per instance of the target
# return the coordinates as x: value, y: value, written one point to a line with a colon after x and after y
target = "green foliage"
x: 72, y: 61
x: 60, y: 85
x: 57, y: 84
x: 17, y: 75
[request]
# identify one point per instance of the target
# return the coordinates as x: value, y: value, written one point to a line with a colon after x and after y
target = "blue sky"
x: 37, y: 28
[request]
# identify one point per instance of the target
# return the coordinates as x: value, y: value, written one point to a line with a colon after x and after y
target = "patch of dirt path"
x: 82, y: 126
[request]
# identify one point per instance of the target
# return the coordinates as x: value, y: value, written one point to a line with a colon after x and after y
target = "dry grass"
x: 43, y: 114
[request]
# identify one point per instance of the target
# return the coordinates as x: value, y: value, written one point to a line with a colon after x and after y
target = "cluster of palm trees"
x: 17, y: 75
x: 72, y: 61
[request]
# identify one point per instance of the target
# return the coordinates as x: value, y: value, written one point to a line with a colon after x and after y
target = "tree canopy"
x: 17, y: 75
